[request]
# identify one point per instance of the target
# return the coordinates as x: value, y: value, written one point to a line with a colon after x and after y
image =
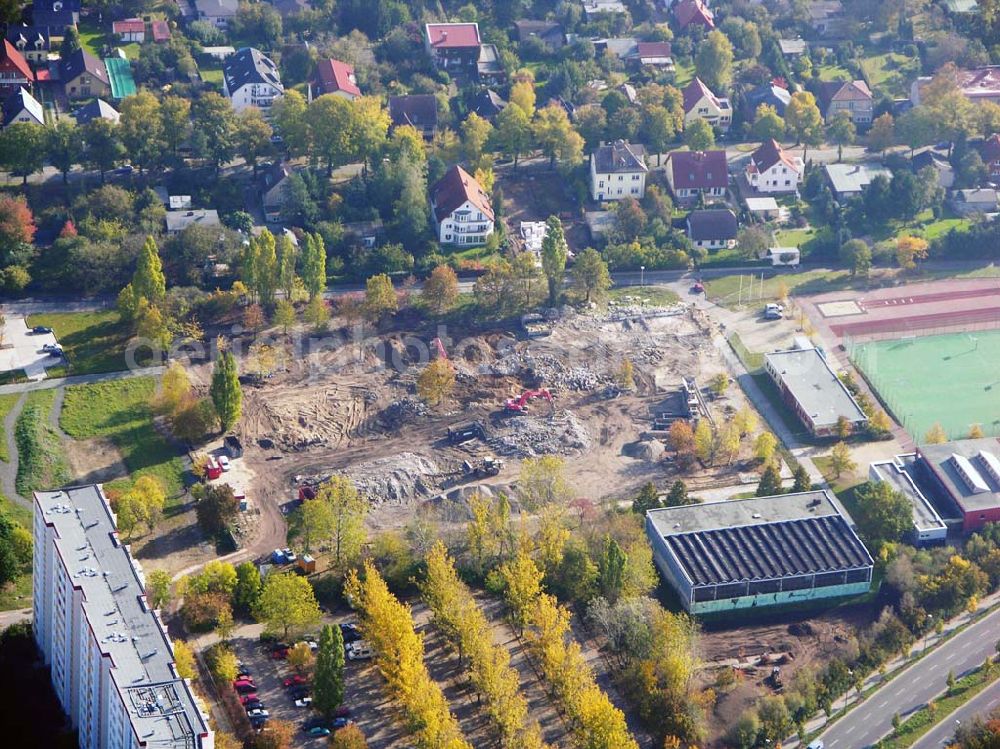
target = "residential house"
x: 489, y: 69
x: 712, y: 228
x: 693, y: 12
x: 160, y: 31
x: 792, y: 49
x: 773, y: 170
x: 83, y: 76
x: 980, y: 200
x: 990, y: 152
x: 770, y: 93
x: 216, y: 12
x: 977, y: 84
x: 656, y: 54
x: 56, y: 15
x: 461, y: 208
x: 617, y: 171
x: 625, y: 49
x: 274, y: 188
x: 853, y: 97
x: 486, y: 103
x: 594, y: 9
x: 130, y: 30
x: 694, y: 173
x: 97, y: 109
x: 550, y: 33
x: 848, y: 180
x: 928, y: 158
x: 827, y: 18
x: 33, y: 42
x: 335, y: 77
x: 701, y: 104
x: 251, y: 79
x: 15, y: 73
x: 367, y: 234
x: 453, y: 46
x: 416, y: 110
x: 178, y: 221
x: 21, y: 106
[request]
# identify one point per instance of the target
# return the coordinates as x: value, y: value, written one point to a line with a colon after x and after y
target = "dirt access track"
x: 355, y: 411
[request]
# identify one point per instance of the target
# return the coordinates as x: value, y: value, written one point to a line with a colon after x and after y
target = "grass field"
x: 41, y: 462
x: 725, y: 290
x: 950, y: 379
x: 890, y: 72
x: 119, y: 410
x: 7, y: 403
x: 93, y: 341
x: 834, y: 73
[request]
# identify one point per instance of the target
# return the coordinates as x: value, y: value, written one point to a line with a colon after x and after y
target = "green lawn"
x: 683, y: 74
x: 91, y: 37
x: 93, y: 341
x: 119, y: 410
x: 834, y: 73
x: 725, y: 290
x: 890, y: 73
x: 41, y: 460
x: 793, y: 237
x: 935, y: 229
x: 210, y: 75
x: 7, y: 403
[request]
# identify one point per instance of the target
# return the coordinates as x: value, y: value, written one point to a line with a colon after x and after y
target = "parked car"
x: 318, y: 731
x: 304, y: 702
x: 278, y: 557
x: 290, y: 556
x: 340, y: 722
x: 697, y: 287
x: 224, y: 463
x: 258, y: 713
x: 316, y: 720
x: 258, y: 722
x: 773, y: 311
x: 253, y: 705
x: 246, y: 699
x: 359, y: 650
x: 294, y: 681
x: 41, y: 330
x: 298, y: 693
x: 280, y: 654
x: 350, y: 633
x: 50, y: 347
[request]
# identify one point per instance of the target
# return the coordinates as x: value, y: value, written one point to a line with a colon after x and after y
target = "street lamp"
x: 642, y: 276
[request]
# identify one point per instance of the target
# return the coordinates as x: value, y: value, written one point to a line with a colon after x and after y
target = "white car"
x: 360, y: 650
x: 304, y: 702
x: 258, y: 713
x: 224, y: 463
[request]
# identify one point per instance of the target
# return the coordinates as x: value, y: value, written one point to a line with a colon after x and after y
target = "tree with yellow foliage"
x: 909, y: 250
x: 184, y: 660
x: 436, y: 382
x: 522, y: 580
x: 936, y: 435
x: 976, y: 432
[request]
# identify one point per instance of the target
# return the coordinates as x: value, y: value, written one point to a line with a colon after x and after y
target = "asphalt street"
x: 914, y: 687
x: 941, y: 735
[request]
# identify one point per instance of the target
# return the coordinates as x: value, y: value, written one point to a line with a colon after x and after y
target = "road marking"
x: 950, y: 657
x: 883, y: 704
x: 849, y: 730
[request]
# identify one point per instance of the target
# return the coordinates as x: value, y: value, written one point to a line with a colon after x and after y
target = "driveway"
x: 23, y: 350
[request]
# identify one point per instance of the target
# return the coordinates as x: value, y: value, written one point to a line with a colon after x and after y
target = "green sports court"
x: 951, y: 379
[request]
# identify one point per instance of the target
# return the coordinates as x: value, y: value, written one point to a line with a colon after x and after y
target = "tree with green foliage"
x: 513, y: 133
x: 158, y: 588
x: 555, y: 252
x: 148, y: 282
x: 611, y: 570
x: 802, y: 481
x: 328, y: 678
x: 380, y: 297
x: 698, y: 135
x: 64, y: 146
x: 858, y: 255
x: 103, y: 148
x: 768, y: 124
x: 349, y: 508
x: 253, y: 137
x: 590, y: 275
x: 22, y: 149
x: 284, y: 314
x: 770, y: 481
x: 248, y: 587
x: 141, y: 129
x: 12, y: 557
x: 678, y: 495
x: 225, y: 390
x: 804, y: 119
x: 556, y: 137
x: 883, y: 514
x: 647, y: 499
x: 841, y: 460
x: 713, y: 62
x: 216, y: 508
x: 440, y: 289
x: 287, y: 602
x: 841, y: 131
x: 314, y: 265
x: 216, y: 127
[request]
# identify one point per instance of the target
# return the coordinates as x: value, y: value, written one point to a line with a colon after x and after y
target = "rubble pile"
x: 397, y: 478
x: 404, y: 410
x: 550, y: 371
x: 529, y: 436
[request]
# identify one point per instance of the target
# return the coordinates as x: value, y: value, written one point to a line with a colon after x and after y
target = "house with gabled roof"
x: 772, y: 170
x: 462, y: 211
x: 853, y: 97
x: 130, y: 30
x: 83, y: 76
x: 217, y: 12
x: 486, y: 103
x: 56, y: 14
x: 415, y: 110
x: 700, y: 103
x: 656, y: 54
x: 251, y: 79
x: 550, y: 33
x: 15, y: 73
x: 335, y: 77
x: 618, y: 170
x: 21, y: 106
x: 693, y: 12
x: 693, y: 173
x: 453, y: 45
x: 712, y: 228
x: 772, y: 94
x: 990, y: 151
x: 33, y: 42
x: 97, y: 109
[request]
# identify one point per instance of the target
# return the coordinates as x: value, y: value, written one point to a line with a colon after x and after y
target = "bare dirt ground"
x: 94, y: 460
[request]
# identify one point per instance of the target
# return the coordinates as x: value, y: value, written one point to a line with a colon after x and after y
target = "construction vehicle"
x: 520, y: 404
x: 488, y: 466
x: 465, y: 433
x: 439, y: 349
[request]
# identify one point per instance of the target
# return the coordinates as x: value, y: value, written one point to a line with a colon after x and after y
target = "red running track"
x: 929, y: 298
x: 917, y: 322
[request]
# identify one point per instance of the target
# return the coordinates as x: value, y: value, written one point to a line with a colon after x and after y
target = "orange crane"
x: 520, y: 404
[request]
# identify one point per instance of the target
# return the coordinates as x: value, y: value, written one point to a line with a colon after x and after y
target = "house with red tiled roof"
x: 656, y: 54
x: 694, y: 173
x: 688, y: 12
x: 700, y: 103
x: 461, y: 208
x: 160, y: 31
x: 15, y: 73
x: 773, y: 170
x: 453, y: 45
x: 130, y: 30
x: 853, y: 97
x: 335, y: 77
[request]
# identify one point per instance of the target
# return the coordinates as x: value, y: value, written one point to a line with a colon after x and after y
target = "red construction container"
x: 212, y: 469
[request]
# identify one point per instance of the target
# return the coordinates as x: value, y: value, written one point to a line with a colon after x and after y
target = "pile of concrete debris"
x: 550, y: 371
x: 402, y: 411
x: 530, y: 436
x: 397, y: 479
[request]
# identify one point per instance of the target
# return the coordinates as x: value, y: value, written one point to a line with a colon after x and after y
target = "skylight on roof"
x: 969, y: 474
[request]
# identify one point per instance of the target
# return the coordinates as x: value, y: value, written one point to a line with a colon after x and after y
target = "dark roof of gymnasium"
x: 770, y: 550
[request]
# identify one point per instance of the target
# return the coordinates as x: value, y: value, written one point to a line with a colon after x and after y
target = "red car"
x: 698, y: 287
x: 294, y: 681
x: 248, y: 698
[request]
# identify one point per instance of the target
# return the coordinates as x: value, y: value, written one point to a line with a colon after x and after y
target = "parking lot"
x: 23, y: 349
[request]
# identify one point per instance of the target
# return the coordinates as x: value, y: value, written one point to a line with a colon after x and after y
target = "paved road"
x: 914, y: 687
x: 981, y: 705
x: 13, y: 617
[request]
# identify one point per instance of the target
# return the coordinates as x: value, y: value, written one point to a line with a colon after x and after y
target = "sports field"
x: 952, y: 379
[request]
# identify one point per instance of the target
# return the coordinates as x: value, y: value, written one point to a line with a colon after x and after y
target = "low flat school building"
x: 763, y: 551
x: 965, y: 475
x: 812, y: 389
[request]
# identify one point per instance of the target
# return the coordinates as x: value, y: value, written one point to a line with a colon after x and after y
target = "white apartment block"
x: 110, y: 657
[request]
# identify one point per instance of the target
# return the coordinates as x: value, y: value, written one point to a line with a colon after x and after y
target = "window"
x: 621, y: 178
x: 447, y: 237
x: 601, y: 183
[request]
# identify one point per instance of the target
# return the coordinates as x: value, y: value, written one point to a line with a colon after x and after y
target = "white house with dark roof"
x: 462, y: 210
x: 712, y: 228
x: 216, y: 12
x: 22, y: 107
x: 772, y: 170
x: 251, y: 79
x: 618, y: 170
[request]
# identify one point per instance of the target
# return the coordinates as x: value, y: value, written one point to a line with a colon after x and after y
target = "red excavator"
x: 439, y: 349
x: 520, y: 405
